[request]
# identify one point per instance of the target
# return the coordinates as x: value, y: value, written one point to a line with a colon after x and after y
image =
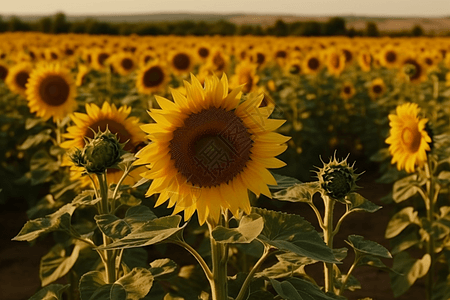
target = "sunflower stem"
x: 328, y: 239
x: 429, y: 204
x: 219, y: 284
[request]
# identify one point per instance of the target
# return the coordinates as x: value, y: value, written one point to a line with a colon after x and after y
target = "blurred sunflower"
x: 147, y: 56
x: 293, y: 67
x: 335, y: 62
x: 182, y: 62
x: 413, y: 69
x: 259, y: 56
x: 312, y: 63
x: 83, y: 71
x: 3, y: 71
x: 99, y: 58
x: 408, y: 140
x: 376, y: 88
x: 203, y: 51
x: 218, y: 61
x: 51, y: 92
x: 17, y: 78
x: 365, y: 60
x: 245, y: 74
x: 152, y: 78
x: 124, y: 63
x: 389, y: 57
x: 447, y: 79
x: 118, y: 121
x: 348, y: 90
x: 208, y: 148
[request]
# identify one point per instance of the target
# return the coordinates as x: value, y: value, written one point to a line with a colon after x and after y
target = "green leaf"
x: 136, y: 285
x: 59, y: 220
x: 51, y: 292
x: 56, y: 263
x: 293, y: 233
x: 404, y: 240
x: 129, y: 200
x: 407, y: 187
x: 359, y: 203
x: 162, y: 268
x: 113, y: 226
x: 340, y: 253
x: 295, y: 288
x: 283, y: 182
x: 90, y: 283
x: 289, y: 264
x: 359, y: 244
x: 138, y: 215
x: 36, y: 139
x: 301, y: 192
x: 407, y: 270
x: 400, y: 221
x: 150, y: 233
x: 85, y: 198
x: 249, y: 228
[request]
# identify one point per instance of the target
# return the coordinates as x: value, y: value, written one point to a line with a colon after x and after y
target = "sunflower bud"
x: 102, y: 152
x: 77, y: 158
x: 337, y: 179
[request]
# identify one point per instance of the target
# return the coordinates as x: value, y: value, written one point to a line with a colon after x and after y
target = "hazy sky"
x: 295, y: 7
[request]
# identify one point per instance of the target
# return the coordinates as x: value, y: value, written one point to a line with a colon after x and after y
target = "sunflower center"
x: 181, y: 61
x: 377, y: 89
x: 203, y: 52
x: 127, y: 63
x: 313, y: 63
x: 153, y: 77
x: 3, y: 72
x: 102, y: 57
x: 281, y: 54
x: 211, y: 148
x: 115, y: 127
x: 347, y: 90
x: 22, y: 79
x: 219, y: 62
x: 246, y: 79
x: 260, y: 58
x: 411, y: 138
x: 54, y: 90
x: 348, y: 55
x: 391, y: 56
x: 429, y: 61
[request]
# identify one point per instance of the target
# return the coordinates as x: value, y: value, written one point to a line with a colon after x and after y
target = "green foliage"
x: 51, y: 292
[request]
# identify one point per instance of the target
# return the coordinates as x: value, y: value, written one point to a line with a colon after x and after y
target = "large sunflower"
x: 408, y: 138
x: 208, y: 148
x: 18, y: 77
x: 117, y: 120
x: 51, y: 92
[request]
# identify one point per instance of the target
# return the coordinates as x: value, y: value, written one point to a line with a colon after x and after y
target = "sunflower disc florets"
x: 337, y: 178
x: 100, y: 153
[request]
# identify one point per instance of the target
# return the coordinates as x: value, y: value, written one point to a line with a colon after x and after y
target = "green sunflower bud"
x: 102, y: 152
x: 337, y: 179
x: 409, y: 70
x: 77, y: 158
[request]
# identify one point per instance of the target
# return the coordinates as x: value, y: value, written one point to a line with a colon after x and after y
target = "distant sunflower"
x: 312, y: 63
x: 389, y: 57
x: 293, y: 67
x: 419, y: 69
x: 365, y: 60
x: 208, y: 148
x: 83, y: 71
x: 245, y: 74
x: 99, y: 58
x: 376, y: 88
x: 152, y: 78
x: 218, y: 61
x: 348, y: 90
x: 259, y: 56
x: 181, y: 62
x: 3, y: 71
x: 335, y: 62
x: 203, y: 51
x: 124, y: 63
x: 147, y: 56
x: 408, y: 140
x: 17, y: 78
x: 51, y: 92
x: 118, y: 121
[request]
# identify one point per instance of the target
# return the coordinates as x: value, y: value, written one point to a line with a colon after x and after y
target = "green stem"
x: 248, y: 279
x: 328, y: 239
x: 347, y: 276
x: 197, y: 256
x: 429, y: 203
x: 219, y: 284
x: 316, y: 211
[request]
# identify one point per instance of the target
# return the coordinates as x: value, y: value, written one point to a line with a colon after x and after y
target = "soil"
x: 19, y: 261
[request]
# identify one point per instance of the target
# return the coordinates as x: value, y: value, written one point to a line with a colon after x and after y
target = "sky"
x: 400, y: 8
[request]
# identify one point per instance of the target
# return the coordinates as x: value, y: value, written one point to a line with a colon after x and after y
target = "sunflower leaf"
x: 152, y: 232
x: 406, y: 270
x: 359, y: 203
x: 283, y: 182
x: 299, y: 289
x: 133, y: 286
x: 407, y: 187
x: 300, y: 192
x: 51, y: 292
x: 292, y: 233
x: 249, y: 228
x: 400, y: 221
x: 362, y: 246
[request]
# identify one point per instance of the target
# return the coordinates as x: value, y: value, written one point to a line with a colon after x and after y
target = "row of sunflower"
x: 206, y: 143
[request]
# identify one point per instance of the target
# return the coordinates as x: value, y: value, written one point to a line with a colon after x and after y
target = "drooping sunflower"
x: 377, y: 88
x: 51, y: 92
x: 17, y: 78
x: 408, y: 140
x: 118, y: 121
x: 208, y: 148
x: 152, y: 78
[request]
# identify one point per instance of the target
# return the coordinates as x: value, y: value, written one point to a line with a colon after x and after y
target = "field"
x: 117, y: 152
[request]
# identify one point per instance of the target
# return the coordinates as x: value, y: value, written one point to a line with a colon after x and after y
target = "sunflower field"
x: 251, y: 153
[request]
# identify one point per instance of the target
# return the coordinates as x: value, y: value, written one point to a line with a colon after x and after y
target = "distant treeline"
x: 59, y: 24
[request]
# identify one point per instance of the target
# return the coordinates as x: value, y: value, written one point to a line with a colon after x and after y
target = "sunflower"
x: 218, y: 61
x: 312, y: 64
x: 17, y: 78
x: 389, y: 57
x: 3, y: 71
x: 408, y: 140
x: 147, y: 56
x: 208, y: 148
x: 181, y: 62
x: 83, y: 71
x: 376, y: 88
x: 365, y: 60
x: 152, y: 78
x: 51, y: 92
x: 124, y: 63
x: 335, y: 62
x: 118, y: 121
x: 293, y: 67
x: 259, y: 57
x: 245, y: 74
x: 348, y: 90
x: 418, y: 72
x: 203, y: 51
x: 99, y: 58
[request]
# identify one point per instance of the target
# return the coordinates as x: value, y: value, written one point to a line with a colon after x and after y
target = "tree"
x: 335, y: 26
x: 372, y: 29
x: 417, y: 31
x: 45, y: 24
x: 60, y: 24
x: 15, y: 24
